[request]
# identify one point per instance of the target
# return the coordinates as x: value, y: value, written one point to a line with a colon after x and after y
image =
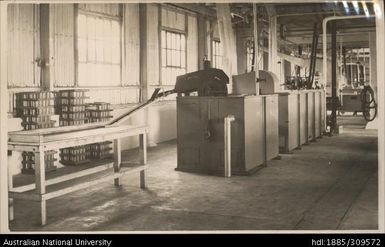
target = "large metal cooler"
x: 317, y: 113
x: 200, y: 132
x: 310, y: 115
x: 272, y: 126
x: 323, y: 111
x: 303, y: 118
x: 289, y: 121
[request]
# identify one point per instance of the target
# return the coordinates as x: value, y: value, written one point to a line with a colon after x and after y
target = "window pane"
x: 173, y: 57
x: 163, y: 39
x: 183, y: 61
x: 82, y: 26
x: 183, y: 43
x: 99, y: 29
x: 98, y: 47
x: 173, y: 39
x: 115, y: 53
x: 115, y: 30
x: 115, y: 75
x: 91, y: 24
x: 169, y: 57
x: 82, y: 50
x: 82, y: 73
x: 91, y: 50
x: 164, y: 57
x: 168, y: 44
x: 99, y: 50
x: 177, y: 45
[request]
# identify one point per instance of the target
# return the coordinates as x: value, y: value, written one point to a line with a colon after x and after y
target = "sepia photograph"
x: 262, y: 116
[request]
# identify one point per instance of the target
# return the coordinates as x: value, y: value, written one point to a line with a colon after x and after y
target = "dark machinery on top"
x: 206, y: 82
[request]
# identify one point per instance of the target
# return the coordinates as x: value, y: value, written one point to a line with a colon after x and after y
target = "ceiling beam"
x: 197, y: 8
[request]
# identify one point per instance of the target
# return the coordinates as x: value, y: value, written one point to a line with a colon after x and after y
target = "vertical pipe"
x: 227, y: 136
x: 143, y: 51
x: 256, y: 41
x: 334, y: 76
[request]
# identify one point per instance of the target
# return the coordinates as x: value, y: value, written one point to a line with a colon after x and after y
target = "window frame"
x: 103, y: 16
x: 214, y: 56
x: 161, y: 48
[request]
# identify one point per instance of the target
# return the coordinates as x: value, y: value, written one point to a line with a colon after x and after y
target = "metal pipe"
x: 256, y: 42
x: 324, y: 38
x: 334, y: 78
x: 227, y: 135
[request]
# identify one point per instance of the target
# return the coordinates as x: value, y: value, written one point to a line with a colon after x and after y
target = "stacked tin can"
x: 71, y: 107
x: 99, y: 112
x: 36, y: 109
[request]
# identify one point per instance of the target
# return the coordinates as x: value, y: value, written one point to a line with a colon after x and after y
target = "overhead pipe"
x: 324, y: 38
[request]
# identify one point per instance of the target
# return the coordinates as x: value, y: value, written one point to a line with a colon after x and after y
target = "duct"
x: 227, y: 37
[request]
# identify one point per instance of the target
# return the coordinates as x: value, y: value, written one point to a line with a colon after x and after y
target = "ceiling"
x: 298, y: 19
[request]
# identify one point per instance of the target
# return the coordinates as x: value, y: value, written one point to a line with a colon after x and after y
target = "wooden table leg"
x: 11, y: 213
x: 143, y: 158
x: 43, y: 212
x: 117, y: 160
x: 40, y: 182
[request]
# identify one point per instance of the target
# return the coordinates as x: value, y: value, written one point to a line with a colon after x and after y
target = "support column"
x: 47, y: 46
x: 380, y: 46
x: 273, y: 47
x: 288, y: 69
x: 373, y: 61
x: 143, y: 52
x: 334, y: 76
x: 4, y: 227
x: 202, y: 40
x: 256, y: 41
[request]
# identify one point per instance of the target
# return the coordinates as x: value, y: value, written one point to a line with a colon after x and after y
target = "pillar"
x: 334, y: 76
x: 47, y: 46
x: 202, y: 40
x: 273, y: 47
x: 373, y: 61
x: 380, y: 46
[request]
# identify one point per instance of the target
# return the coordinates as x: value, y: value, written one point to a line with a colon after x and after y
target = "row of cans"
x: 43, y: 125
x: 27, y: 111
x: 28, y: 163
x: 73, y: 93
x: 35, y: 95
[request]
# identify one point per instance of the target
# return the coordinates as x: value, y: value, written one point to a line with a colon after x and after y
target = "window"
x: 217, y: 54
x: 99, y: 52
x: 173, y: 56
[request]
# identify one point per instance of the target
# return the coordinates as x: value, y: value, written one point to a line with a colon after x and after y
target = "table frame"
x: 81, y: 137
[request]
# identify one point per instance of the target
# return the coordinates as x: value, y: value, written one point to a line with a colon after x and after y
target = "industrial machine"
x: 254, y: 133
x: 358, y: 100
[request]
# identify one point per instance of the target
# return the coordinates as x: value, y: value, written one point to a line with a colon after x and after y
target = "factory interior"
x: 232, y: 116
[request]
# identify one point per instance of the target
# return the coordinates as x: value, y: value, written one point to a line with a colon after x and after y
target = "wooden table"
x: 73, y: 178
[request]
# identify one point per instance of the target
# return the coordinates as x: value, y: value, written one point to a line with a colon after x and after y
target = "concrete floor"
x: 330, y: 184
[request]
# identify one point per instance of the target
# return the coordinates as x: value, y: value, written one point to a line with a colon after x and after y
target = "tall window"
x: 217, y: 54
x: 173, y: 56
x: 99, y: 52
